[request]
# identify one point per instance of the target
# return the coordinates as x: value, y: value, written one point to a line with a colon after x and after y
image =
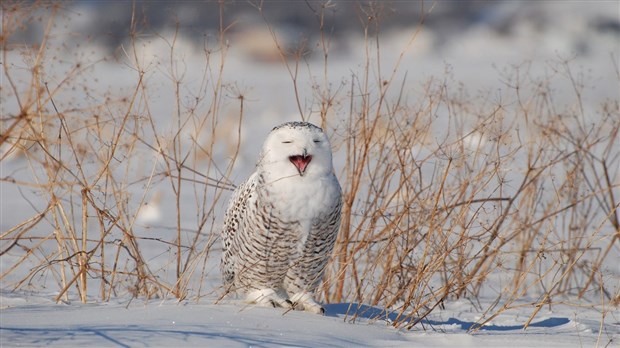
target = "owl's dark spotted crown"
x: 297, y: 124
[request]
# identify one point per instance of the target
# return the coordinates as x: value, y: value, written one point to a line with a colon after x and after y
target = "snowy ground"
x: 34, y: 320
x: 473, y: 57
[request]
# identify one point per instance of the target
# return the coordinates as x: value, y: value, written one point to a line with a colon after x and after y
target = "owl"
x: 281, y: 224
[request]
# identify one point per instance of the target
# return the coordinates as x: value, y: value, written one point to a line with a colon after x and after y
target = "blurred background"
x: 472, y: 40
x: 571, y: 27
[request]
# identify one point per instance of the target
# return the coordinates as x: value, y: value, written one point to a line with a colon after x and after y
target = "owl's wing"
x: 235, y: 213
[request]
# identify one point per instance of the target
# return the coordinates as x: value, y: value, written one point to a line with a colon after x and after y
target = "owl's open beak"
x: 301, y: 162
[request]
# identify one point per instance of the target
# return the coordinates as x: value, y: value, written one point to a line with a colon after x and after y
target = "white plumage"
x: 281, y: 223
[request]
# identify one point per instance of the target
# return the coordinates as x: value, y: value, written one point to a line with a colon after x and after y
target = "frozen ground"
x: 34, y: 320
x: 476, y: 58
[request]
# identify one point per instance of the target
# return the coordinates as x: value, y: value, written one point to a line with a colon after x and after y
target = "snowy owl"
x: 281, y: 223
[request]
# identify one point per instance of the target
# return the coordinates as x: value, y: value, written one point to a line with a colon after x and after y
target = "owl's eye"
x: 316, y: 141
x: 287, y: 142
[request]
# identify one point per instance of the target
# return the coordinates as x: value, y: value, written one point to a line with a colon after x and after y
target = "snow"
x: 474, y: 57
x: 33, y: 320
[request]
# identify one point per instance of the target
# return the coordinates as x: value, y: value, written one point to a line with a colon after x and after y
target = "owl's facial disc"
x: 301, y: 162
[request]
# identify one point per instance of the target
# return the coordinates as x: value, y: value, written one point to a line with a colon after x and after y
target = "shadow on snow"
x: 355, y: 311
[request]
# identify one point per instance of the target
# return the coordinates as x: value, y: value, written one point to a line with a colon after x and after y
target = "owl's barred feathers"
x: 281, y: 223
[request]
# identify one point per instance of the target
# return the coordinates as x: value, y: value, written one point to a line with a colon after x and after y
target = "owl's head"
x: 296, y: 149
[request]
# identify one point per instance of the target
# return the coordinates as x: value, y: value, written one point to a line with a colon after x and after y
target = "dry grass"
x: 444, y: 197
x: 90, y: 164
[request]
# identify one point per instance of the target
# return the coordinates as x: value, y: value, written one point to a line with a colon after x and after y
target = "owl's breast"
x: 298, y: 199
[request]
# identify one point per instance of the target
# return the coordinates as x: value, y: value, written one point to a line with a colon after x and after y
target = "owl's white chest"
x: 304, y: 199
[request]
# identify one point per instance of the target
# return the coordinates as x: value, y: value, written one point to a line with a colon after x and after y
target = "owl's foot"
x: 268, y: 298
x: 303, y: 301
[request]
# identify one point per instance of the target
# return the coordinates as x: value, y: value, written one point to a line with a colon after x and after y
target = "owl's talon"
x: 267, y: 298
x: 303, y: 301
